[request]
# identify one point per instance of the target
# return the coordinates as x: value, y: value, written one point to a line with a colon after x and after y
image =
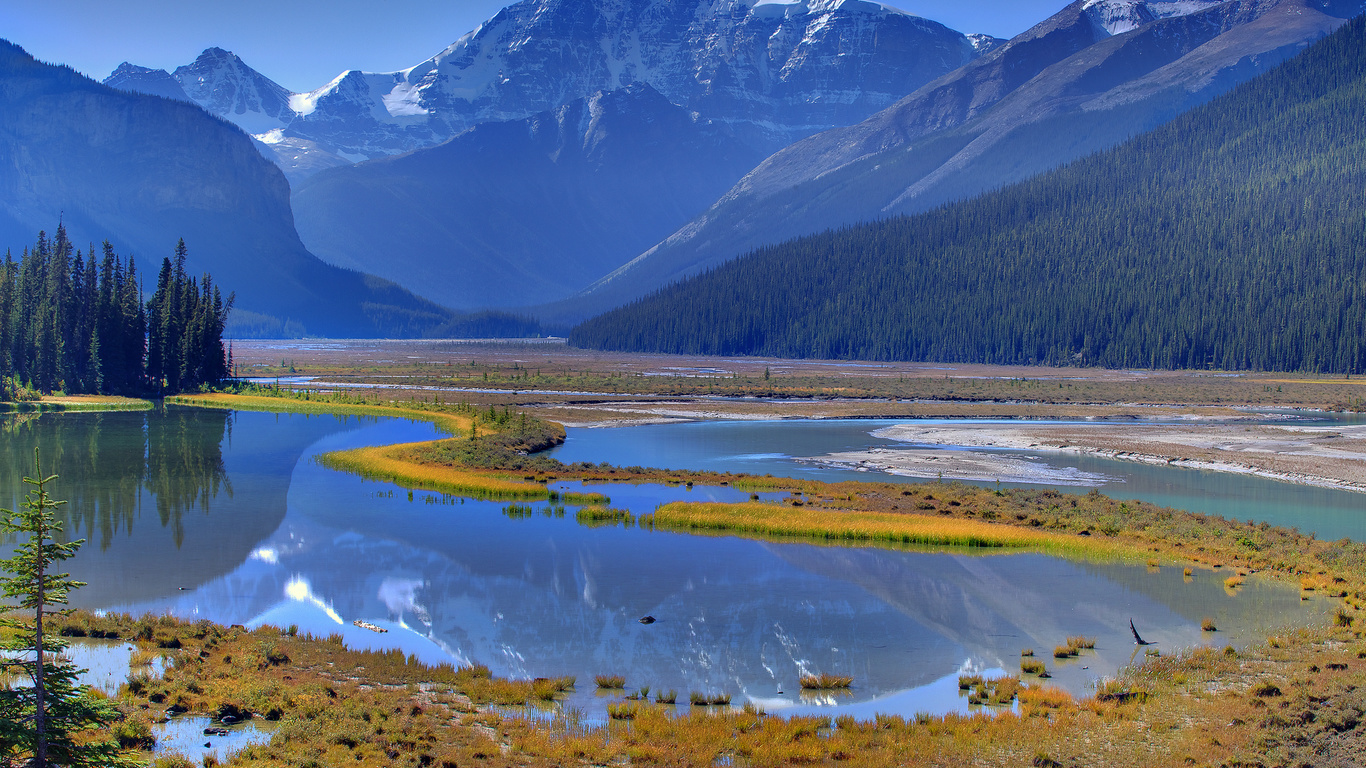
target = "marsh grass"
x: 611, y: 682
x: 1081, y: 642
x: 824, y: 682
x: 1233, y: 582
x: 391, y: 464
x: 1207, y: 624
x: 623, y: 710
x: 77, y: 403
x: 282, y: 401
x: 604, y: 516
x: 1032, y: 666
x: 998, y: 691
x: 763, y: 519
x: 1065, y: 652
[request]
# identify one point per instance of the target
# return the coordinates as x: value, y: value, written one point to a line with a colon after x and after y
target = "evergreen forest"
x: 75, y: 322
x: 1233, y: 237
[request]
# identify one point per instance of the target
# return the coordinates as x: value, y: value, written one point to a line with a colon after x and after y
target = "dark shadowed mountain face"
x: 525, y: 211
x: 777, y: 71
x: 1085, y: 79
x: 144, y: 171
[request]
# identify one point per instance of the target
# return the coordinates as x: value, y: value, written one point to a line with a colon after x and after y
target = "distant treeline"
x: 75, y: 322
x: 1233, y: 237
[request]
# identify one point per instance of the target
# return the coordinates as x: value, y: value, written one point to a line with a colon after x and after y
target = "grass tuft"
x: 825, y: 682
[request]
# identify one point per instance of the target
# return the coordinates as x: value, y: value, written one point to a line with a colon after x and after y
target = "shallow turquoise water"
x: 775, y: 447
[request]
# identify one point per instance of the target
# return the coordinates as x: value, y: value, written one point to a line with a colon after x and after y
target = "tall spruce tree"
x: 74, y: 322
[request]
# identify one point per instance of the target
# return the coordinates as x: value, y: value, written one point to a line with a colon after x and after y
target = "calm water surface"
x: 226, y: 516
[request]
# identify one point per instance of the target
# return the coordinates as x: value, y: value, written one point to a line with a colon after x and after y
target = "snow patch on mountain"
x: 1116, y: 17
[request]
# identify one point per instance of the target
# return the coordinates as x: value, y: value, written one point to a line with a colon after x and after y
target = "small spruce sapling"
x: 39, y: 722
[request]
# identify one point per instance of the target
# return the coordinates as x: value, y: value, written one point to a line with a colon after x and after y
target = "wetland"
x: 228, y: 516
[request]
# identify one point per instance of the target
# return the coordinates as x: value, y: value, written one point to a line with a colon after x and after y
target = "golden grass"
x: 451, y: 423
x: 77, y: 403
x: 825, y: 682
x: 777, y: 520
x: 389, y: 464
x: 610, y: 682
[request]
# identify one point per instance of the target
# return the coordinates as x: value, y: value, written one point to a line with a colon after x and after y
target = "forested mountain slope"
x: 1231, y: 238
x: 1087, y: 78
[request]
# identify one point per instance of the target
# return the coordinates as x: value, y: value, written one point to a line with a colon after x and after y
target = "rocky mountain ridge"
x: 778, y: 71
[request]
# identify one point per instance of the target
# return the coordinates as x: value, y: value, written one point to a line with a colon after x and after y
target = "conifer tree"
x: 72, y: 321
x: 42, y: 720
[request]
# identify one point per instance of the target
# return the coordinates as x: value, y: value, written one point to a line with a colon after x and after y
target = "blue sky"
x: 302, y: 44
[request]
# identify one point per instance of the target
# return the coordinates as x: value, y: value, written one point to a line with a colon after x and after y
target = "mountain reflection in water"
x: 248, y: 529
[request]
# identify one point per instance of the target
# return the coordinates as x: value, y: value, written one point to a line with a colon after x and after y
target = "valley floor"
x: 1231, y: 422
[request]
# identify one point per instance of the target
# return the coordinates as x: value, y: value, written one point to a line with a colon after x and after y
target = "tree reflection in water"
x: 106, y: 460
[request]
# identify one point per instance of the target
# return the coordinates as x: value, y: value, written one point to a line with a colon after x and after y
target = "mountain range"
x: 776, y: 71
x: 569, y: 156
x: 1092, y: 75
x: 145, y: 171
x: 1228, y: 238
x: 561, y: 138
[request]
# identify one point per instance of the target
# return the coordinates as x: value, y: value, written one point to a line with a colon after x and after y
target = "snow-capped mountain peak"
x: 220, y: 82
x: 778, y: 69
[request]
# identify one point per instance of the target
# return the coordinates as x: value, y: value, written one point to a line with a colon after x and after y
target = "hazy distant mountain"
x: 155, y: 82
x: 144, y: 171
x: 776, y: 71
x: 1086, y: 78
x: 529, y: 210
x: 1228, y: 238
